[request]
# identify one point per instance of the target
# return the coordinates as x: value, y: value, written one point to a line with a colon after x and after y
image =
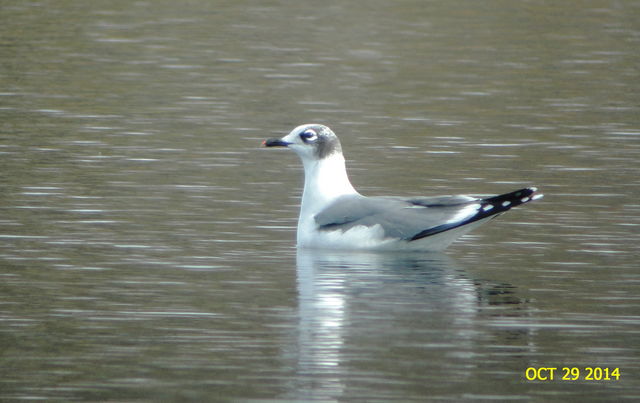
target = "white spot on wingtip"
x: 536, y: 197
x: 506, y: 203
x: 533, y: 189
x: 487, y: 207
x: 525, y: 199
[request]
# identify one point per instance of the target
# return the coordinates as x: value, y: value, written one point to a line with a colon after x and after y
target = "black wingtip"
x: 491, y: 206
x: 508, y: 200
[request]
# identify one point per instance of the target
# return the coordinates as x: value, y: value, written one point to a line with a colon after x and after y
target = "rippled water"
x: 147, y: 241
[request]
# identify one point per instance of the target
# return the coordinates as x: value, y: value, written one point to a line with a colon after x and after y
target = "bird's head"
x: 310, y: 141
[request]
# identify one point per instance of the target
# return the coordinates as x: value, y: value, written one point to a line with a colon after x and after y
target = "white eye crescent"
x: 309, y: 135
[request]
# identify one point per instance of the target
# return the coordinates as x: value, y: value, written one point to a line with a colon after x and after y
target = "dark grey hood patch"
x: 327, y: 142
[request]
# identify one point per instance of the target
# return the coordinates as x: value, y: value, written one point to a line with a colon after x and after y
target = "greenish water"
x: 147, y: 241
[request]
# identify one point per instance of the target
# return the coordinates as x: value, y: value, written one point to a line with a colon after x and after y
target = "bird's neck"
x: 325, y: 180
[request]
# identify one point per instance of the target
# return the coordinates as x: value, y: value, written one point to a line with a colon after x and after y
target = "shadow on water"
x: 366, y: 318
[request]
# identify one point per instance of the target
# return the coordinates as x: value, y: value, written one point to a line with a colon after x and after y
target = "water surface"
x: 147, y: 241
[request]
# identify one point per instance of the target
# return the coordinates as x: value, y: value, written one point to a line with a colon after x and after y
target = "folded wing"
x: 415, y: 219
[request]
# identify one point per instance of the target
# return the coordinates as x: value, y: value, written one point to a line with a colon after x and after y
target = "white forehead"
x: 313, y: 126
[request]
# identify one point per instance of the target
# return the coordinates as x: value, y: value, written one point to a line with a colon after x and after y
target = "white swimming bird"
x: 334, y: 215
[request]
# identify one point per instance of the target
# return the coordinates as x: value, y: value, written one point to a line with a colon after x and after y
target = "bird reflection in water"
x: 356, y: 308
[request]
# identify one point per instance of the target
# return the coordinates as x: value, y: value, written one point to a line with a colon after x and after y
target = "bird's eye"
x: 308, y: 135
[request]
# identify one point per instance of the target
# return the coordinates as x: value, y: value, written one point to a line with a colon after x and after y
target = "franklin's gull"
x: 334, y: 215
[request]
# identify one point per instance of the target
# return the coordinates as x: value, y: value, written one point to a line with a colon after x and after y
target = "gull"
x: 333, y: 215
